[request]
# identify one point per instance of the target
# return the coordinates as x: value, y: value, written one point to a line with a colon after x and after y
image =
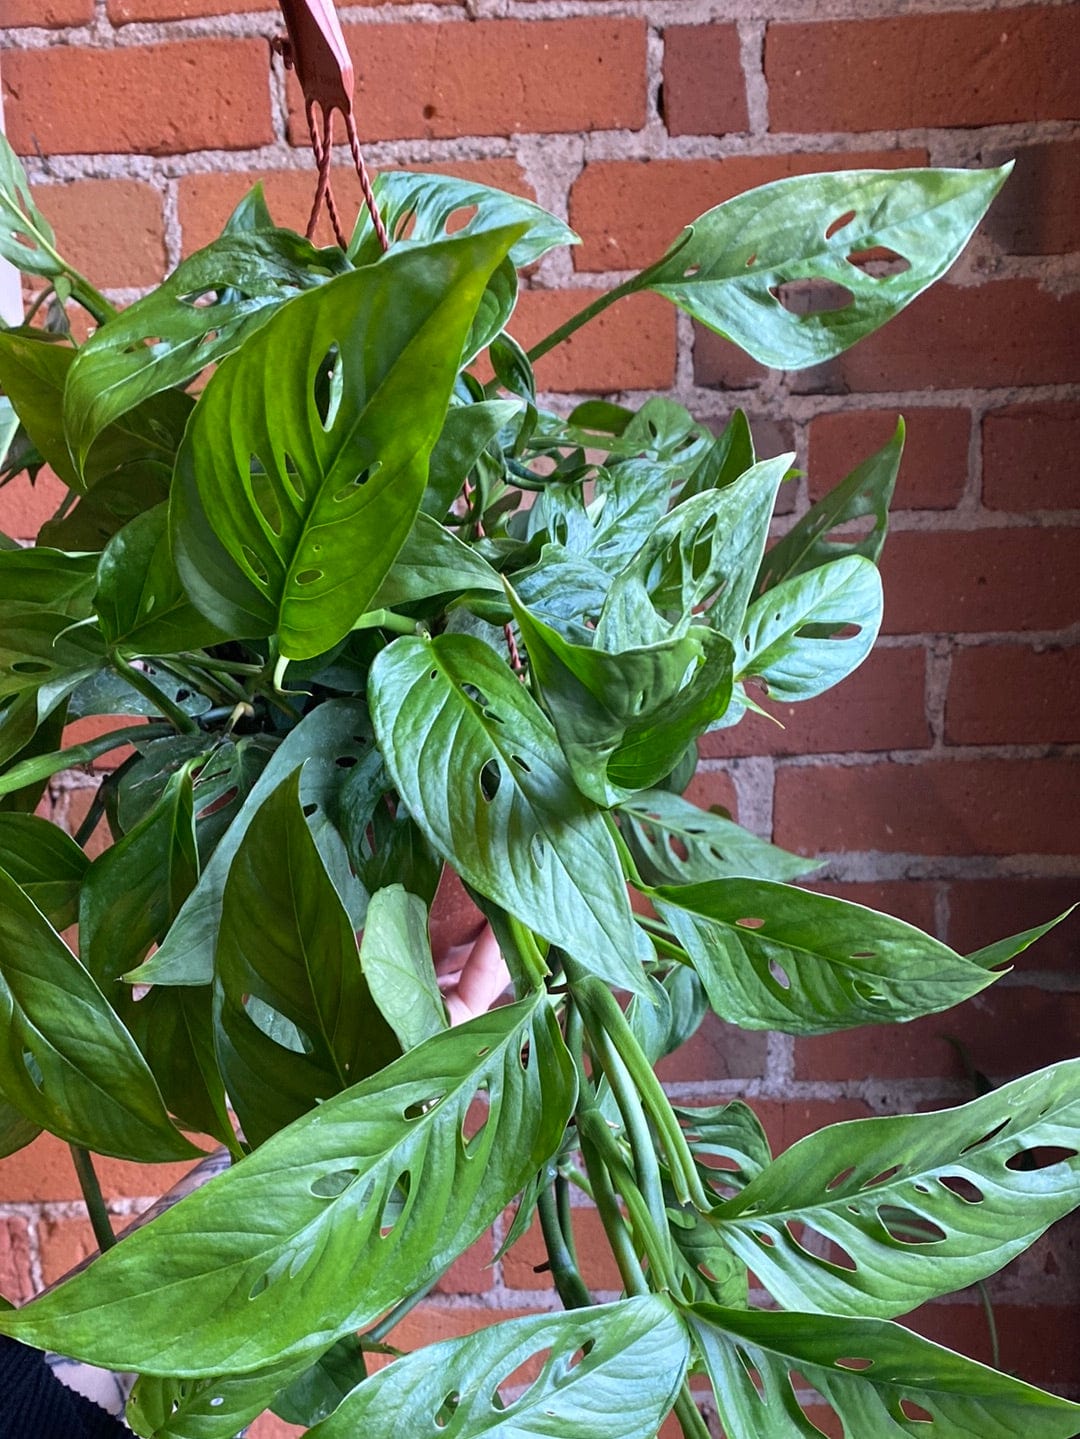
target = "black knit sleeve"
x: 35, y: 1405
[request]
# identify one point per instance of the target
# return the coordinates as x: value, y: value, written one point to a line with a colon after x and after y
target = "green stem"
x: 93, y: 1198
x: 378, y: 1332
x: 385, y: 620
x: 149, y: 691
x: 534, y: 961
x: 615, y: 1227
x: 93, y: 815
x: 90, y: 298
x: 689, y: 1415
x: 575, y: 322
x: 564, y: 1270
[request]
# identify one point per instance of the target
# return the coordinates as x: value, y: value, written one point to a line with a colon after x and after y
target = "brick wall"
x: 942, y: 783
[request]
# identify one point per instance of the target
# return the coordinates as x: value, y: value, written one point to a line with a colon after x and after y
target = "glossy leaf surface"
x: 675, y: 842
x: 26, y: 237
x: 395, y: 953
x: 45, y: 862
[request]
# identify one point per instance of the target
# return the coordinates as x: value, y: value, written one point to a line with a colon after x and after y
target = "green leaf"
x: 775, y: 957
x: 251, y: 214
x: 294, y: 535
x: 826, y: 531
x: 27, y: 240
x: 993, y: 956
x: 920, y: 1204
x: 395, y: 953
x: 480, y: 770
x: 466, y: 433
x: 729, y: 267
x: 211, y: 303
x: 299, y: 964
x: 330, y: 742
x: 37, y: 767
x: 321, y: 1387
x: 623, y: 720
x: 140, y: 601
x: 878, y: 1378
x: 15, y: 1133
x: 247, y: 1271
x: 45, y: 862
x: 730, y: 455
x: 218, y: 1408
x: 731, y: 1132
x: 672, y: 841
x: 590, y: 1361
x: 418, y: 208
x: 66, y: 1061
x: 432, y: 562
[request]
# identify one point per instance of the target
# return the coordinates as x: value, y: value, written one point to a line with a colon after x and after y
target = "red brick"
x: 1036, y: 213
x: 1005, y: 1031
x: 152, y: 99
x: 880, y: 707
x: 910, y: 900
x: 598, y: 1267
x: 933, y: 471
x: 431, y: 1323
x: 900, y: 73
x: 111, y: 230
x: 1006, y: 332
x: 720, y: 364
x: 269, y: 1426
x: 713, y: 787
x: 471, y: 1272
x: 122, y: 12
x: 1005, y: 694
x: 73, y: 810
x: 1034, y: 1340
x: 716, y: 1051
x: 628, y: 212
x: 956, y: 581
x: 44, y: 1171
x: 704, y: 88
x: 936, y: 807
x: 207, y: 200
x: 493, y: 77
x: 1025, y: 464
x: 83, y: 730
x: 25, y: 506
x: 788, y: 1120
x: 984, y: 910
x: 64, y: 1244
x: 49, y: 13
x: 629, y: 347
x: 16, y: 1282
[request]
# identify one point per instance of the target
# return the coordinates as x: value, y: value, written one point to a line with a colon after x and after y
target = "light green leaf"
x: 775, y: 957
x: 218, y: 1408
x: 295, y: 1022
x: 211, y: 303
x: 433, y: 561
x: 480, y: 769
x: 467, y: 1387
x: 466, y: 433
x: 295, y: 533
x: 729, y: 267
x: 672, y: 841
x: 827, y: 530
x: 246, y: 1272
x: 45, y: 862
x: 27, y: 240
x: 66, y: 1061
x: 395, y: 953
x: 731, y: 1132
x: 879, y: 1379
x: 993, y: 956
x: 920, y: 1204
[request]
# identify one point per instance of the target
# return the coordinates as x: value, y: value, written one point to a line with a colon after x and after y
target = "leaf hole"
x: 220, y: 803
x: 396, y: 1203
x: 841, y: 1178
x: 878, y: 262
x: 905, y: 1226
x: 477, y: 696
x: 357, y: 483
x: 750, y: 1371
x: 522, y: 764
x: 201, y: 299
x: 327, y: 387
x: 910, y: 1410
x: 765, y: 1238
x: 329, y: 1186
x: 33, y: 1069
x: 259, y: 573
x: 882, y: 1178
x: 813, y: 296
x: 419, y: 1107
x: 988, y: 1136
x: 820, y: 1247
x: 525, y: 1055
x: 261, y: 492
x: 309, y: 577
x: 779, y: 974
x: 840, y: 223
x: 447, y: 1409
x: 1042, y: 1157
x: 346, y: 761
x: 490, y: 778
x: 858, y: 1364
x: 514, y: 1386
x: 750, y: 923
x: 538, y: 850
x: 751, y: 260
x: 688, y: 273
x: 459, y: 218
x: 808, y: 1398
x: 309, y: 809
x: 962, y: 1186
x: 30, y: 667
x: 475, y: 1119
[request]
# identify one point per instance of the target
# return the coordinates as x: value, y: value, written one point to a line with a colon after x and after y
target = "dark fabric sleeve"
x: 35, y: 1405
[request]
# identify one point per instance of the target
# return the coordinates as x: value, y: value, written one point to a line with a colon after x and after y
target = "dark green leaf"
x: 46, y: 863
x: 729, y: 268
x: 296, y: 534
x: 15, y: 1131
x: 730, y: 455
x: 466, y: 432
x: 920, y: 1204
x: 319, y: 1390
x: 31, y: 724
x: 479, y: 768
x: 590, y: 1361
x: 295, y: 975
x: 38, y: 767
x: 251, y: 214
x: 396, y: 957
x: 775, y: 957
x: 247, y: 1271
x: 878, y: 1378
x: 432, y: 562
x: 674, y: 842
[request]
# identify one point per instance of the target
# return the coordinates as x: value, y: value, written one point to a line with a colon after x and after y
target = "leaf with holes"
x: 45, y: 862
x: 878, y: 1379
x: 328, y: 452
x: 775, y: 957
x: 395, y: 954
x: 330, y: 742
x: 294, y: 1019
x: 218, y: 1408
x: 731, y: 1133
x: 27, y: 240
x: 674, y: 842
x: 554, y: 1374
x: 211, y: 303
x: 876, y: 1216
x: 66, y: 1062
x: 623, y: 720
x: 731, y: 268
x: 480, y: 769
x: 246, y: 1272
x: 830, y: 529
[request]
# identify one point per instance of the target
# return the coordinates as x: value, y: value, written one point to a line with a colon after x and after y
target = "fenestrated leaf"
x: 299, y: 965
x: 207, y: 307
x: 217, y: 1408
x: 247, y: 1271
x: 418, y: 208
x: 45, y: 862
x: 826, y: 532
x: 868, y: 1370
x: 66, y: 1061
x: 27, y: 240
x: 673, y: 841
x: 730, y: 1132
x: 45, y: 598
x: 729, y: 267
x: 920, y: 1204
x: 295, y: 534
x: 395, y: 953
x: 433, y: 561
x: 590, y: 1361
x: 333, y: 739
x: 466, y: 432
x: 479, y: 768
x: 623, y: 720
x: 775, y: 957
